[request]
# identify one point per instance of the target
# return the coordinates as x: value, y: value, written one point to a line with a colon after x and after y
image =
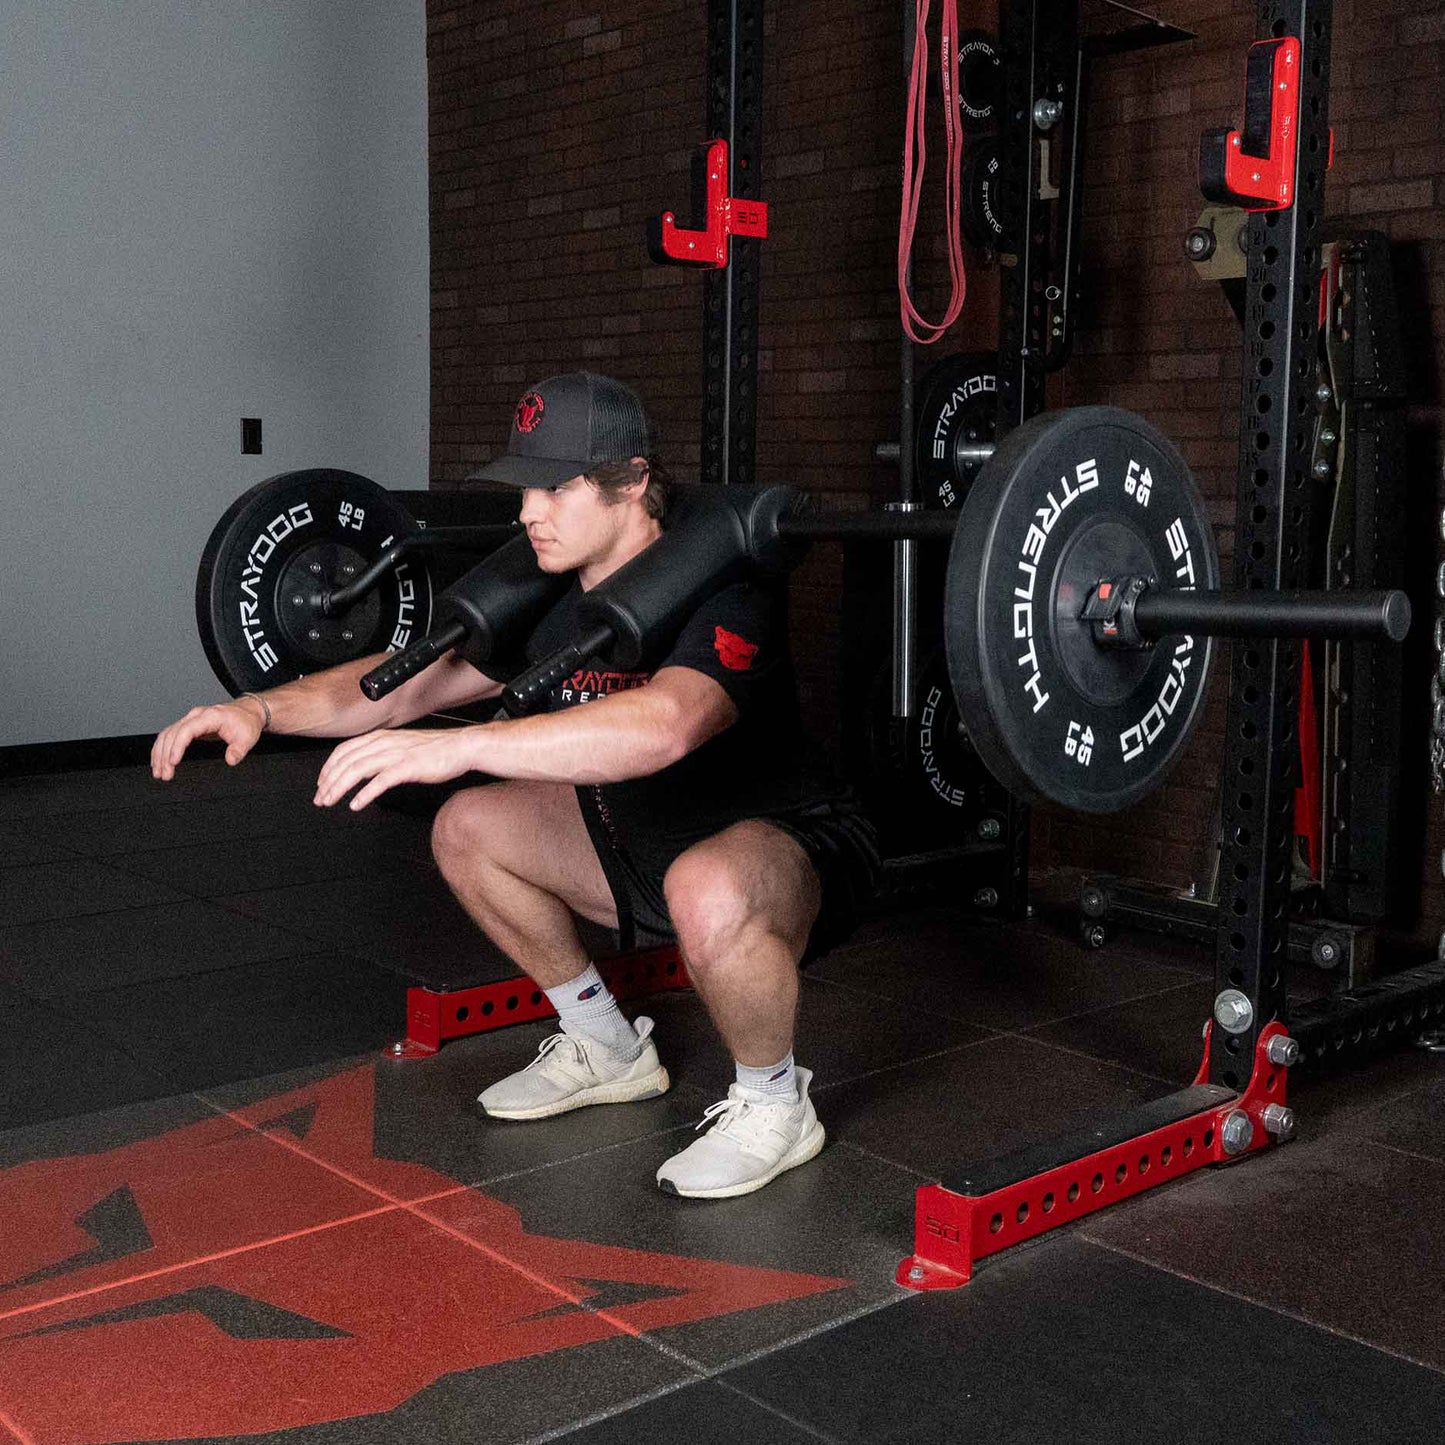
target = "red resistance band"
x: 917, y: 328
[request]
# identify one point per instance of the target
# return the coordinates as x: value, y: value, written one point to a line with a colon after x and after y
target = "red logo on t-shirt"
x: 529, y: 412
x: 734, y: 652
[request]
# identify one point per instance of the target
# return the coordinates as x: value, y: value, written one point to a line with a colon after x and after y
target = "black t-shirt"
x: 763, y: 765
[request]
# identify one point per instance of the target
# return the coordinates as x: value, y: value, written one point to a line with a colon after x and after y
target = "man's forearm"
x: 330, y: 704
x: 606, y: 741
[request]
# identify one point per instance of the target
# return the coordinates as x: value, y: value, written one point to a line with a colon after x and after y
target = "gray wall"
x: 209, y: 209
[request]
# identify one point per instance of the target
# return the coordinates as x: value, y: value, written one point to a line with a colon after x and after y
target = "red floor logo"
x: 212, y: 1281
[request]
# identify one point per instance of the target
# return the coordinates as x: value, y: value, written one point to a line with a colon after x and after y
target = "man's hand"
x: 238, y: 724
x: 389, y: 758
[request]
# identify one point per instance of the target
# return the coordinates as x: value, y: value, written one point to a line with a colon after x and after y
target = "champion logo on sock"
x: 589, y: 993
x: 782, y: 1073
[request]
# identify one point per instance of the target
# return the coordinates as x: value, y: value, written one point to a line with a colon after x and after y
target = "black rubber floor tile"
x: 983, y: 1100
x: 720, y: 1279
x: 257, y: 817
x: 1068, y: 1343
x: 998, y: 976
x: 165, y: 821
x: 1160, y: 1035
x: 840, y: 1035
x: 1341, y: 1231
x: 702, y: 1414
x: 75, y: 888
x: 392, y: 1329
x: 406, y: 921
x: 233, y: 1024
x: 19, y: 848
x: 52, y: 1067
x: 1415, y: 1122
x: 424, y: 1131
x: 62, y: 957
x: 1342, y: 1098
x: 92, y: 790
x: 217, y: 869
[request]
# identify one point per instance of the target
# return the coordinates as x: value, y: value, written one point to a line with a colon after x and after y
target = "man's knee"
x: 708, y: 899
x: 459, y: 830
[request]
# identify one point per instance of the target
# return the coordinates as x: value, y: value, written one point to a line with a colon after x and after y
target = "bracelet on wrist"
x: 265, y: 708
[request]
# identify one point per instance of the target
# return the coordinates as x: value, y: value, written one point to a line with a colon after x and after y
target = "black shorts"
x: 841, y: 843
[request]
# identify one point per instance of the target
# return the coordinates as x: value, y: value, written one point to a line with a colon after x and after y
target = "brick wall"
x: 556, y: 129
x: 1160, y: 341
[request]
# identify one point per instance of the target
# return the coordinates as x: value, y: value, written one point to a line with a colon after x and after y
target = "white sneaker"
x: 753, y: 1141
x: 572, y: 1071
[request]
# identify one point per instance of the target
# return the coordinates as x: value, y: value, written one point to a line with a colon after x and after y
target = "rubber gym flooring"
x: 226, y: 1214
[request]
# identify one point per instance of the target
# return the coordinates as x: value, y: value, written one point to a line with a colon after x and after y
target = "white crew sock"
x: 586, y: 1006
x: 778, y: 1081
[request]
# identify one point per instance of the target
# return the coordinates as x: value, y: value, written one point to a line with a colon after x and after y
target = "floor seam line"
x: 843, y: 1143
x: 601, y: 1149
x: 414, y: 1210
x: 801, y: 1426
x: 1108, y: 1007
x: 1407, y: 1153
x: 1099, y: 1059
x: 1289, y: 1314
x: 997, y: 1032
x: 626, y: 1407
x: 212, y: 1258
x: 788, y: 1342
x: 902, y: 1002
x: 906, y: 1064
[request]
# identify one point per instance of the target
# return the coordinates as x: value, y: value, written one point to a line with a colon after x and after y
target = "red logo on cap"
x: 734, y: 652
x: 529, y: 412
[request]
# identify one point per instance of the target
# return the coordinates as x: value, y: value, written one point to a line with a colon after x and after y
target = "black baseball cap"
x: 570, y: 424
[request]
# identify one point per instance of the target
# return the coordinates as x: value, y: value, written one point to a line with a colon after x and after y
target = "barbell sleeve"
x: 387, y: 676
x: 1166, y: 612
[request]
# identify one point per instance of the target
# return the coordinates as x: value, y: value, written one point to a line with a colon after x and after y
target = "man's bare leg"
x: 742, y: 904
x: 519, y: 860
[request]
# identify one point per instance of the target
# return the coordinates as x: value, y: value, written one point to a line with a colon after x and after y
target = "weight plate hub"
x: 957, y: 406
x: 278, y: 551
x: 985, y: 221
x: 1067, y: 499
x: 980, y: 79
